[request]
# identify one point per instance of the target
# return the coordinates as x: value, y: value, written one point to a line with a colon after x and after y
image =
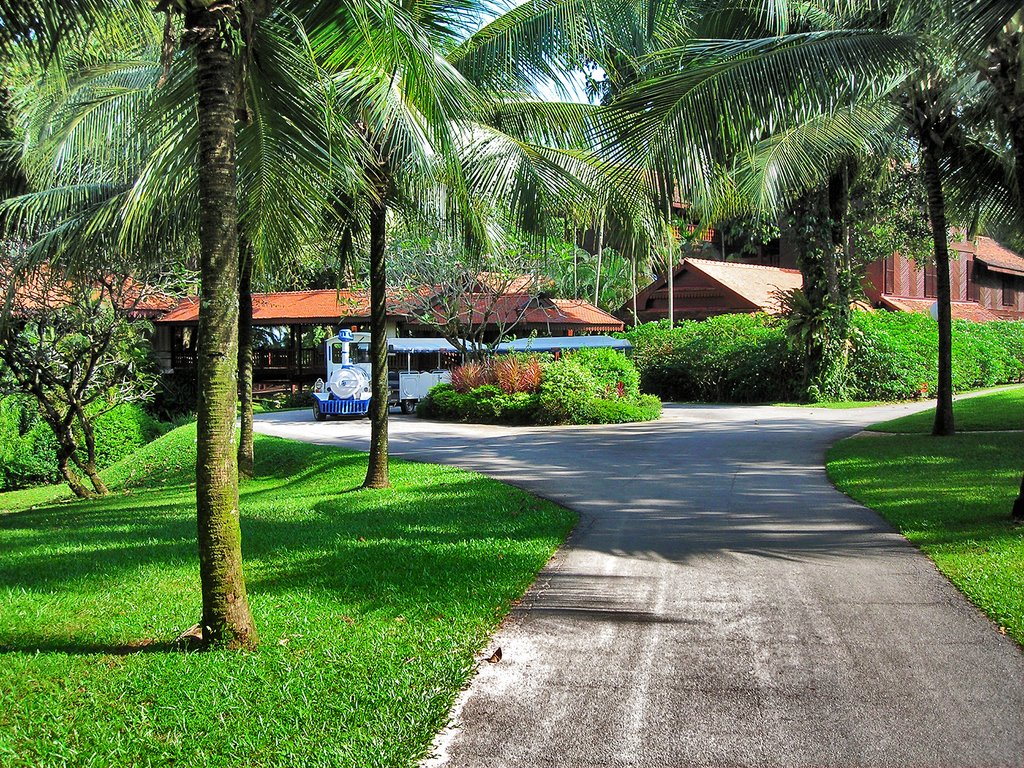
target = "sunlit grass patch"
x: 370, y: 606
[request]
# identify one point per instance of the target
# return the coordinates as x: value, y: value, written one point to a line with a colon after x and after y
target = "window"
x: 890, y: 276
x: 969, y: 269
x: 930, y: 282
x: 1008, y: 292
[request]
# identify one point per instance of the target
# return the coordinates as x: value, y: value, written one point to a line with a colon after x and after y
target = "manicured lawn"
x: 951, y: 497
x: 839, y: 406
x: 984, y: 413
x: 370, y: 606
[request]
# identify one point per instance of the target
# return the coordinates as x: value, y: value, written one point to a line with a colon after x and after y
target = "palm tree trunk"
x: 226, y: 619
x: 246, y: 455
x: 600, y: 254
x: 377, y: 468
x: 940, y: 237
x: 636, y: 319
x: 670, y: 241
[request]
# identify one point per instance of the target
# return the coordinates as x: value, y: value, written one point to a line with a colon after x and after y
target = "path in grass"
x: 370, y: 606
x: 951, y: 496
x: 720, y: 604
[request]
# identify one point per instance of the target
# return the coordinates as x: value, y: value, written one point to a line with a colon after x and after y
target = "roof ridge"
x: 718, y: 262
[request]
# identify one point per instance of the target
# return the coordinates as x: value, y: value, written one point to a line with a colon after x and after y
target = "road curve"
x: 720, y: 603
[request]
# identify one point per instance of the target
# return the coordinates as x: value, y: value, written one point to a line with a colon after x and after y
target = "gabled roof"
x: 996, y: 257
x: 752, y: 282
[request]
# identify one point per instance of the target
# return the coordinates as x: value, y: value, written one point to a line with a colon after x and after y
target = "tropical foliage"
x: 892, y: 356
x: 173, y: 136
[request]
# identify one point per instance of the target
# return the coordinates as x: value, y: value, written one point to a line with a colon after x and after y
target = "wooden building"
x: 986, y: 280
x: 703, y: 288
x: 290, y: 327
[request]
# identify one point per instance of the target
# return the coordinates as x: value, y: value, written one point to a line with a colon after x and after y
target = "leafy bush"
x: 119, y: 432
x: 565, y: 390
x: 27, y: 445
x: 746, y: 358
x: 730, y: 358
x: 487, y: 404
x: 576, y: 389
x: 622, y: 410
x: 609, y: 369
x: 28, y: 448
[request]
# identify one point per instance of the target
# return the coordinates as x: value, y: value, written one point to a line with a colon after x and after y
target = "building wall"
x: 1002, y: 294
x: 970, y: 280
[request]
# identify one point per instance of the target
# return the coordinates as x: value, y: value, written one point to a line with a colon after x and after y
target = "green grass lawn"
x: 951, y: 496
x: 838, y: 406
x: 984, y: 413
x: 370, y: 607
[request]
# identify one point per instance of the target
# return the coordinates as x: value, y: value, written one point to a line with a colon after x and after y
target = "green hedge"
x: 730, y: 358
x: 579, y: 388
x: 746, y: 358
x: 28, y: 447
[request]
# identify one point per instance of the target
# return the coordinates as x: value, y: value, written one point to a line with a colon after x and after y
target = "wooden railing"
x: 266, y: 359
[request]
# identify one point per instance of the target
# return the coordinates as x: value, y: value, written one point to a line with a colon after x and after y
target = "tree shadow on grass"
x: 412, y: 552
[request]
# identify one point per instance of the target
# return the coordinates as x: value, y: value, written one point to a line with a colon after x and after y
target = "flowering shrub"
x: 584, y: 387
x: 469, y: 376
x: 516, y: 373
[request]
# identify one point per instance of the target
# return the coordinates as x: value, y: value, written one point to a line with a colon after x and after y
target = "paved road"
x: 719, y: 604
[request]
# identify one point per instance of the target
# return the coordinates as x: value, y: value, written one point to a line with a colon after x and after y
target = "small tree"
x: 75, y: 347
x: 464, y: 296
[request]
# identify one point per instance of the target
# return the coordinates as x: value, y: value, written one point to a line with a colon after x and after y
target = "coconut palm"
x: 450, y: 133
x: 132, y: 187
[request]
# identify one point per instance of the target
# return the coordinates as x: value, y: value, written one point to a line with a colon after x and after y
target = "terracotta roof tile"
x: 325, y: 306
x: 961, y: 310
x: 330, y: 306
x: 755, y: 283
x: 992, y: 254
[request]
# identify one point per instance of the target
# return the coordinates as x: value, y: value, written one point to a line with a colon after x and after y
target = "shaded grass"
x: 984, y: 413
x: 370, y: 606
x: 838, y: 406
x: 951, y: 497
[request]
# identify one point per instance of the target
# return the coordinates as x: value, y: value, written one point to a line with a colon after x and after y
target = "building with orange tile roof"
x: 293, y: 322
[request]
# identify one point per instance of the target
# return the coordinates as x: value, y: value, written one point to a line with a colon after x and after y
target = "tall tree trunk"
x: 671, y: 258
x: 226, y: 619
x: 246, y: 440
x: 636, y: 318
x: 377, y: 468
x: 600, y: 254
x: 940, y: 237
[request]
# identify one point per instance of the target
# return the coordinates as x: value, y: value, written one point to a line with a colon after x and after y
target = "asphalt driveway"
x: 720, y: 603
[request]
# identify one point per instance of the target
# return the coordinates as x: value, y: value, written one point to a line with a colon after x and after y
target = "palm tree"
x: 158, y: 178
x: 449, y: 131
